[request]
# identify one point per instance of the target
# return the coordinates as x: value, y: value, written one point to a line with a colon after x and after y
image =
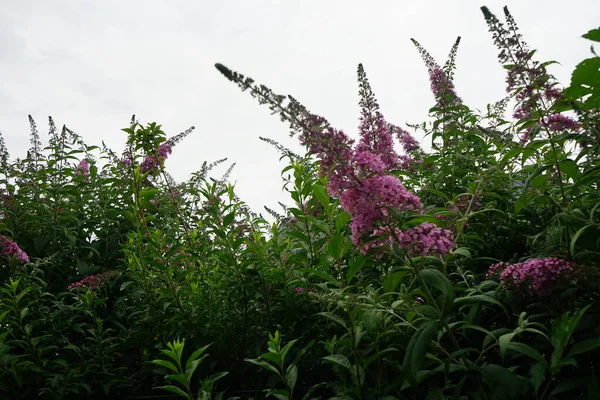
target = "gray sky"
x: 92, y: 64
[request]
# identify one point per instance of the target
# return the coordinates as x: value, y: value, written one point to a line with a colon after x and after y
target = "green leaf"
x: 504, y: 340
x: 176, y: 390
x: 273, y: 357
x: 321, y: 194
x: 576, y: 237
x: 511, y: 154
x: 195, y: 355
x: 291, y: 376
x: 335, y: 318
x: 537, y: 373
x: 320, y: 274
x: 228, y: 219
x: 287, y: 348
x: 263, y: 364
x: 279, y: 394
x: 391, y: 281
x: 437, y: 279
x: 303, y: 351
x: 539, y: 170
x: 340, y: 360
x: 375, y: 356
x: 124, y: 285
x: 527, y: 350
x: 487, y: 210
x: 585, y: 79
x: 504, y: 384
x: 462, y: 251
x: 178, y: 378
x: 371, y: 319
x: 308, y: 395
x: 569, y: 384
x: 341, y: 221
x: 477, y: 298
x: 335, y: 247
x: 584, y: 346
x: 417, y: 348
x: 521, y: 202
x: 437, y: 193
x: 421, y: 219
x: 166, y: 364
x: 354, y: 266
x: 191, y: 368
x: 594, y: 35
x: 569, y: 168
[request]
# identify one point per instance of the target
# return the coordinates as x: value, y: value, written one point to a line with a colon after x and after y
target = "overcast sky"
x: 92, y: 64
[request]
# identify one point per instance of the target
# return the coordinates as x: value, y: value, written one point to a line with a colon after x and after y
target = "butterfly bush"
x: 538, y: 276
x: 92, y: 281
x: 153, y: 161
x: 442, y: 87
x: 414, y: 153
x: 10, y: 249
x: 535, y: 89
x: 440, y: 78
x: 360, y: 176
x: 427, y: 239
x: 83, y: 168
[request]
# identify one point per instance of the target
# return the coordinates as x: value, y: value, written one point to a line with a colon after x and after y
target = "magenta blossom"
x: 561, y: 122
x: 376, y: 139
x: 538, y: 276
x: 361, y: 175
x: 154, y: 161
x: 427, y: 239
x: 92, y: 281
x: 367, y: 203
x: 442, y: 88
x: 83, y: 168
x: 10, y: 249
x: 407, y: 141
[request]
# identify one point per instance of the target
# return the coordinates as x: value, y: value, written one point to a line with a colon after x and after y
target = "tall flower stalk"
x: 534, y: 88
x: 359, y: 175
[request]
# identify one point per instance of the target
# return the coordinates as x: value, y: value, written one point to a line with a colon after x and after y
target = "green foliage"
x: 123, y: 259
x: 275, y: 361
x: 183, y: 375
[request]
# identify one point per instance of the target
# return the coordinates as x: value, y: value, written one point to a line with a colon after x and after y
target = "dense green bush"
x: 466, y: 272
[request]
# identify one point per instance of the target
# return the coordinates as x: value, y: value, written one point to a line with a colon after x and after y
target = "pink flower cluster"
x: 360, y: 175
x: 427, y: 239
x: 367, y: 203
x: 92, y: 281
x: 83, y: 168
x: 538, y: 276
x: 154, y: 161
x: 560, y: 123
x: 462, y: 203
x: 414, y: 154
x: 442, y: 87
x: 535, y: 96
x: 10, y: 249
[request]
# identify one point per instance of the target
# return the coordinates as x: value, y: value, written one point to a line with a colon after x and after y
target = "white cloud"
x: 91, y: 64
